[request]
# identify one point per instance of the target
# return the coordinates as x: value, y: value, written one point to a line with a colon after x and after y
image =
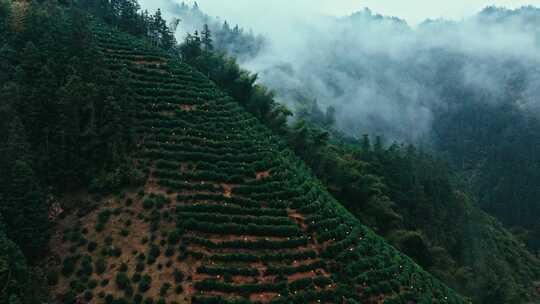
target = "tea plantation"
x: 228, y: 213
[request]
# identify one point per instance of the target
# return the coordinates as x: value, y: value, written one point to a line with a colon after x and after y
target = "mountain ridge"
x: 164, y: 118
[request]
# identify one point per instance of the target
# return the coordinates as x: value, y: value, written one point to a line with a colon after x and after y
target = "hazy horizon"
x: 262, y: 14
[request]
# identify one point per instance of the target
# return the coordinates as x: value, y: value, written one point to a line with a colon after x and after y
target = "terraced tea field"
x: 228, y: 214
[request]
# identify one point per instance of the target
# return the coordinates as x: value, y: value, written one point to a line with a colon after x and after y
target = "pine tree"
x: 191, y: 48
x: 365, y: 144
x: 13, y: 269
x: 207, y: 40
x: 4, y: 20
x: 25, y: 211
x: 110, y: 132
x: 30, y: 62
x: 65, y: 155
x: 7, y: 62
x: 17, y: 146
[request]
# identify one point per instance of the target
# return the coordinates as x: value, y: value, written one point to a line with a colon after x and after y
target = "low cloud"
x: 386, y: 77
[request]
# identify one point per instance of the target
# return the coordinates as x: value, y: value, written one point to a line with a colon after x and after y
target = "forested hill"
x: 425, y: 203
x: 151, y: 185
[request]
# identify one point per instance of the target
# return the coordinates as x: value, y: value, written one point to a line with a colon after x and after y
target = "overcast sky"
x: 260, y: 14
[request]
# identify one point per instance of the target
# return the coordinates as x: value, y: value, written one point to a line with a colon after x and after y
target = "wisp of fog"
x: 387, y: 78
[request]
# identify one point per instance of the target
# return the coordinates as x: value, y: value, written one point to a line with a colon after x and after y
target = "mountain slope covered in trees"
x: 418, y: 201
x: 210, y: 206
x: 465, y: 90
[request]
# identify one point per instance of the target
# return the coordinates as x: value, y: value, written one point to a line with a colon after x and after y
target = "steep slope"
x: 227, y: 215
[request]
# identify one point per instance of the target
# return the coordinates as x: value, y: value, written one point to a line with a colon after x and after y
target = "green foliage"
x: 25, y: 210
x: 126, y: 15
x: 145, y: 283
x: 237, y: 83
x: 122, y: 280
x: 20, y: 282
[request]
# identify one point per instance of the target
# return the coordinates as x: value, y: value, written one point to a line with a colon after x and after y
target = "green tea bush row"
x: 240, y: 244
x: 249, y: 229
x: 226, y: 208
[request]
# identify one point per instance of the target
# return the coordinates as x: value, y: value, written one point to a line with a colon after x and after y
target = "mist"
x: 382, y: 75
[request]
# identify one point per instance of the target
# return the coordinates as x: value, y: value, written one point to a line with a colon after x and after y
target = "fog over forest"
x: 394, y: 86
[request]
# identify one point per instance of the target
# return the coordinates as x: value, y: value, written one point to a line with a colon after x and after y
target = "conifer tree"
x: 25, y: 211
x: 207, y: 40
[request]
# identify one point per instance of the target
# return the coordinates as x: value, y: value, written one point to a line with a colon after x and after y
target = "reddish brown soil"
x: 262, y: 174
x: 227, y: 190
x: 186, y: 107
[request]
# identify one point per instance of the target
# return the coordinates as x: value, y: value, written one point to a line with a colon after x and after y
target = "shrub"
x: 129, y: 291
x: 92, y: 246
x: 77, y: 286
x: 123, y: 267
x: 148, y: 204
x: 154, y: 251
x: 137, y: 299
x: 139, y: 267
x: 169, y: 252
x: 145, y: 283
x: 179, y: 289
x: 108, y: 240
x: 178, y: 276
x: 99, y: 227
x: 109, y: 299
x: 86, y: 266
x: 148, y: 301
x: 104, y: 216
x: 174, y: 237
x: 164, y: 289
x: 88, y: 295
x: 69, y: 298
x: 68, y: 266
x: 52, y: 278
x: 115, y: 252
x: 122, y: 281
x: 121, y: 301
x: 124, y: 232
x: 101, y: 265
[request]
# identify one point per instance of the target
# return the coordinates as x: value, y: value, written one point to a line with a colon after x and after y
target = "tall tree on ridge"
x: 207, y: 40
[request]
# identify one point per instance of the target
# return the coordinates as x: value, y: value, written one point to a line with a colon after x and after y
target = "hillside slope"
x: 227, y: 215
